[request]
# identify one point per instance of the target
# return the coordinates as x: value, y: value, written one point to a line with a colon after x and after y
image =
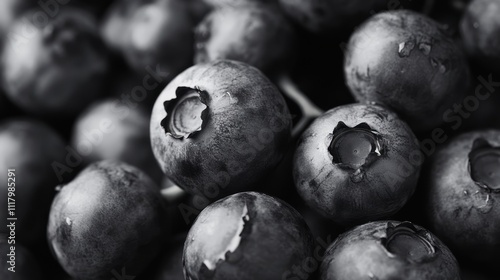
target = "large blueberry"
x: 406, y: 61
x: 463, y: 195
x: 219, y: 128
x: 388, y: 250
x: 54, y: 65
x: 111, y: 219
x: 247, y: 236
x: 355, y: 164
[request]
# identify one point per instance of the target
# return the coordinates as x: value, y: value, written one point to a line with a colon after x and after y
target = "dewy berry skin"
x: 407, y: 62
x: 462, y: 195
x: 350, y: 165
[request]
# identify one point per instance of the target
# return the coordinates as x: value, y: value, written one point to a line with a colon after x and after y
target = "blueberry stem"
x: 309, y: 110
x: 173, y: 194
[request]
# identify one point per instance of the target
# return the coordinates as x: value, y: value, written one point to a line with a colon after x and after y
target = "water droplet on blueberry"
x: 405, y: 48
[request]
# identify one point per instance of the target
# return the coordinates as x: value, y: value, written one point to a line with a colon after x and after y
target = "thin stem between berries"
x: 309, y: 110
x: 173, y: 194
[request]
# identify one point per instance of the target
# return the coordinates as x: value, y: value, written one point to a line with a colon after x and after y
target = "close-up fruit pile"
x: 249, y: 139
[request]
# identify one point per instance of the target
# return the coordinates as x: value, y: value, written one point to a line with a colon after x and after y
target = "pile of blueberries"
x: 250, y: 139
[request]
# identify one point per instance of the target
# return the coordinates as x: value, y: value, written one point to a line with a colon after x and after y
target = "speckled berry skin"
x: 30, y: 148
x: 246, y: 236
x: 334, y: 191
x: 463, y: 214
x: 111, y: 217
x: 245, y: 131
x: 61, y: 66
x: 258, y: 35
x: 480, y: 30
x: 360, y: 254
x: 406, y: 61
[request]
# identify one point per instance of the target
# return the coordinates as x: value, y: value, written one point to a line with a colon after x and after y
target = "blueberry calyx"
x: 186, y: 114
x: 355, y: 147
x: 407, y: 242
x: 484, y: 163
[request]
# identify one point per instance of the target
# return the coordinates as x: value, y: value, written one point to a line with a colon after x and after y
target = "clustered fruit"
x: 250, y: 139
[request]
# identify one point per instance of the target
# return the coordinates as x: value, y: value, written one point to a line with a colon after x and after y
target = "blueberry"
x: 389, y: 250
x: 110, y: 219
x: 110, y: 130
x: 480, y: 30
x: 463, y: 192
x: 152, y: 34
x: 55, y: 66
x: 219, y: 128
x: 247, y: 236
x: 29, y: 147
x: 258, y: 35
x: 161, y: 33
x: 353, y: 164
x: 116, y: 22
x: 406, y: 61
